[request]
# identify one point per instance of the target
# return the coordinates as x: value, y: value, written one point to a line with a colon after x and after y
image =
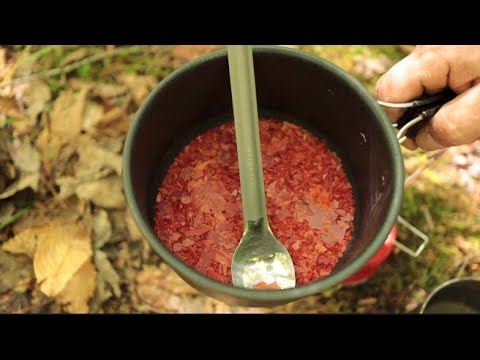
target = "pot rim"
x: 315, y: 287
x: 444, y: 285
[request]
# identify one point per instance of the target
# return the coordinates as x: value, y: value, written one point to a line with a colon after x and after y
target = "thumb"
x: 456, y: 123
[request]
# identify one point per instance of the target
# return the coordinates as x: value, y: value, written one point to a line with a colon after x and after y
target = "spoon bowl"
x: 262, y: 261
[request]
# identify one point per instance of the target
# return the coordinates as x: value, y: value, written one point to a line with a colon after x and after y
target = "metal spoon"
x: 259, y: 257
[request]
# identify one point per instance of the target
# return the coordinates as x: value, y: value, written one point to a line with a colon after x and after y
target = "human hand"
x: 429, y: 69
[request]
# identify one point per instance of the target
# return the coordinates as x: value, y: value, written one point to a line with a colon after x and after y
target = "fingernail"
x: 426, y: 142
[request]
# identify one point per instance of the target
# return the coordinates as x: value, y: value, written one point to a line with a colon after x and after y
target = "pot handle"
x: 415, y: 231
x: 417, y: 112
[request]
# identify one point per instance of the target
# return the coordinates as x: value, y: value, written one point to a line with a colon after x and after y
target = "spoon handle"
x: 242, y: 81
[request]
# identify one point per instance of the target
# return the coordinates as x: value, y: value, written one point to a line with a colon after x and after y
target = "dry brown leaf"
x: 113, y: 144
x: 66, y: 115
x: 79, y: 289
x: 93, y: 159
x: 24, y: 155
x: 107, y: 272
x: 25, y: 181
x: 92, y: 115
x: 67, y: 185
x: 48, y: 146
x: 113, y: 123
x: 26, y: 241
x: 106, y: 192
x: 9, y: 107
x: 59, y: 255
x: 102, y: 228
x: 132, y: 227
x: 13, y: 270
x: 33, y: 96
x: 106, y: 91
x: 162, y: 290
x: 138, y: 85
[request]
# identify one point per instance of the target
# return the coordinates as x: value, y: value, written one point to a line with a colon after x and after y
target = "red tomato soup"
x: 309, y: 199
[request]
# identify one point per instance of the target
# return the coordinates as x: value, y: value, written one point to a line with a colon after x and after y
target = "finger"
x: 418, y: 73
x: 410, y: 144
x: 456, y: 123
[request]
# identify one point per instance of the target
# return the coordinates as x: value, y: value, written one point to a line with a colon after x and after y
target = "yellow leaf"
x: 138, y: 85
x: 57, y: 257
x: 79, y: 289
x: 26, y: 241
x: 34, y: 95
x: 67, y: 114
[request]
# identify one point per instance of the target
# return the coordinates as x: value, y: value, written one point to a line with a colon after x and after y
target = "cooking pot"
x: 456, y: 296
x: 291, y: 85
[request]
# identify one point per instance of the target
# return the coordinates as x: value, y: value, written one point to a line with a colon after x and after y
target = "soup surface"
x: 310, y: 201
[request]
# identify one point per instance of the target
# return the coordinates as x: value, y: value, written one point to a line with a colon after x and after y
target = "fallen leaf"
x: 69, y: 184
x: 66, y: 115
x: 102, y: 228
x: 26, y: 241
x: 138, y: 85
x: 92, y: 115
x: 107, y: 272
x: 106, y: 192
x: 14, y: 269
x: 93, y: 159
x: 161, y: 290
x: 106, y: 91
x: 33, y: 95
x: 113, y: 144
x: 9, y: 107
x: 101, y: 294
x: 59, y: 255
x: 25, y: 181
x: 25, y: 156
x: 48, y: 146
x: 132, y: 227
x: 79, y: 289
x: 112, y: 123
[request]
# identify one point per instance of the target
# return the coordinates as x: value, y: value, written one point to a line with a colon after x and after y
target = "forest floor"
x: 61, y: 192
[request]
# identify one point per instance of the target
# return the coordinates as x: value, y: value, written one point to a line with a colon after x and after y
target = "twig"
x: 68, y: 68
x: 428, y: 217
x: 431, y: 159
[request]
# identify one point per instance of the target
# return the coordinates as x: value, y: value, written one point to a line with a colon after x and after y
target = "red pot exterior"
x: 370, y: 269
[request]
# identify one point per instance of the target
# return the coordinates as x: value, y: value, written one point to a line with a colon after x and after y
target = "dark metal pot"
x: 290, y: 84
x: 457, y: 296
